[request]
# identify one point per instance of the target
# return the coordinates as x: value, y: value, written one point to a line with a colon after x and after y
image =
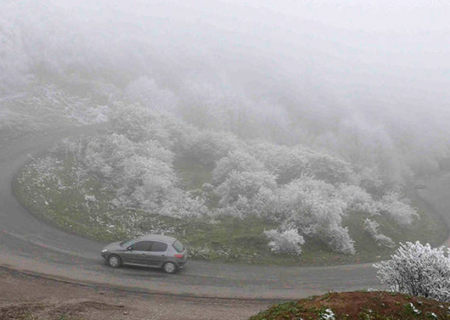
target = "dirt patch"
x: 25, y: 297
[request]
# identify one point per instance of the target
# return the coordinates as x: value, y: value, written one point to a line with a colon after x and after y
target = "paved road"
x: 29, y: 244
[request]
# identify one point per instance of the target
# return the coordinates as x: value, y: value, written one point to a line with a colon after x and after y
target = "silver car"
x: 156, y: 251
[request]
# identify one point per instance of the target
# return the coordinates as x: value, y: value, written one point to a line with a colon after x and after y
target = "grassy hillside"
x: 52, y: 189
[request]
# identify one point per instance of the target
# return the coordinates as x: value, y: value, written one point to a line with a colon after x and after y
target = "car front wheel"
x: 114, y: 261
x: 170, y: 267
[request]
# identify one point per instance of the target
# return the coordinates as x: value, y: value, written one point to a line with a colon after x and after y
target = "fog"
x: 288, y: 71
x: 316, y: 119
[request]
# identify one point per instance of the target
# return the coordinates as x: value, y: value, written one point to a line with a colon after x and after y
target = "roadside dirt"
x: 33, y: 298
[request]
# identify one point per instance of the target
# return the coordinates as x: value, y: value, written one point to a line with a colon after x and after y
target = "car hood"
x: 114, y: 246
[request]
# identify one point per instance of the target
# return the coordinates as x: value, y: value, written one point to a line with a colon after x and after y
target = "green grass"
x: 62, y: 202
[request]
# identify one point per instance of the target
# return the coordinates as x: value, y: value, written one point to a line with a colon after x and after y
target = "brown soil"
x: 29, y: 297
x: 378, y: 305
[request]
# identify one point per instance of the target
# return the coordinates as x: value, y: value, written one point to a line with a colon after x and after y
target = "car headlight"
x: 104, y: 250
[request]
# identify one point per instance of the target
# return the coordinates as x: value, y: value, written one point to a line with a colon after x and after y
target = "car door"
x: 157, y: 254
x: 137, y: 253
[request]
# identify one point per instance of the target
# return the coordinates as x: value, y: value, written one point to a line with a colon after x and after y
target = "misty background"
x: 298, y: 122
x: 366, y: 81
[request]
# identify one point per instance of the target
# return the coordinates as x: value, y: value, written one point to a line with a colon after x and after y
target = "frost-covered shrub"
x: 133, y: 122
x: 235, y: 161
x: 182, y: 205
x: 328, y: 168
x: 288, y: 241
x: 338, y: 239
x: 140, y: 124
x: 140, y: 172
x: 369, y: 179
x: 145, y: 182
x: 244, y: 184
x: 314, y: 209
x: 240, y: 208
x: 303, y: 194
x: 402, y: 213
x: 371, y: 227
x: 286, y: 163
x: 290, y: 163
x: 418, y: 270
x: 358, y: 200
x: 207, y: 147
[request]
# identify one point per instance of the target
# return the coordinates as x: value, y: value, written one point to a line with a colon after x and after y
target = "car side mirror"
x: 130, y: 248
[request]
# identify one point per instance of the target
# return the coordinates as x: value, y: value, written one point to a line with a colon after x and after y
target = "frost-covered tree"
x: 287, y: 163
x: 138, y: 123
x: 207, y: 147
x: 372, y: 228
x: 402, y: 213
x: 244, y: 184
x: 418, y: 270
x: 328, y: 168
x: 313, y: 208
x: 290, y: 163
x: 141, y: 124
x: 287, y: 241
x: 145, y: 182
x: 140, y: 173
x: 235, y: 161
x: 358, y: 200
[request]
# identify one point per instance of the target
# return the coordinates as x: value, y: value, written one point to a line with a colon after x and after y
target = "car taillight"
x: 178, y: 255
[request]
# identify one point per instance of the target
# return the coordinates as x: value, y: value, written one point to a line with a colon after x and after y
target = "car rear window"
x: 178, y: 246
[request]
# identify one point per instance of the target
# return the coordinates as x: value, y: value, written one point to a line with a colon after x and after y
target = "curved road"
x: 28, y: 244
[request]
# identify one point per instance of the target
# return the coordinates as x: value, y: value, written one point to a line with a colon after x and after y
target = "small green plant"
x: 411, y: 309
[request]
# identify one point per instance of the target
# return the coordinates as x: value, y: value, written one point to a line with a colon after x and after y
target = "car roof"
x: 157, y: 237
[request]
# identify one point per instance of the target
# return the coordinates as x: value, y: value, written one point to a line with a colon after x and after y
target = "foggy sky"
x: 346, y: 54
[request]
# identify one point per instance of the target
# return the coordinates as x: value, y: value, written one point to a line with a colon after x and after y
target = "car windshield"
x: 178, y: 246
x: 126, y: 243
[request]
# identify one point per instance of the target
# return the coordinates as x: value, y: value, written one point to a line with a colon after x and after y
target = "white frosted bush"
x: 207, y: 147
x: 244, y: 184
x: 288, y: 241
x: 339, y: 240
x: 371, y: 227
x: 286, y: 163
x: 314, y: 209
x: 328, y: 168
x: 235, y: 161
x: 290, y: 163
x: 358, y: 199
x: 402, y: 213
x: 417, y: 270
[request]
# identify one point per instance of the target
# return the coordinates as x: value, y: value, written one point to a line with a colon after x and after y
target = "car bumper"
x: 181, y: 264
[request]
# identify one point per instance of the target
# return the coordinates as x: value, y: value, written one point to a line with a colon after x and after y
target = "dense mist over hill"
x: 306, y: 120
x: 365, y: 81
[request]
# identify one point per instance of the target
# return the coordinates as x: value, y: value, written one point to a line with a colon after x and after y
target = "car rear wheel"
x: 169, y: 267
x: 114, y: 261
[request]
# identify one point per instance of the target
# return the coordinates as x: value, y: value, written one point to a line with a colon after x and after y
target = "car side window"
x: 142, y: 246
x: 159, y: 247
